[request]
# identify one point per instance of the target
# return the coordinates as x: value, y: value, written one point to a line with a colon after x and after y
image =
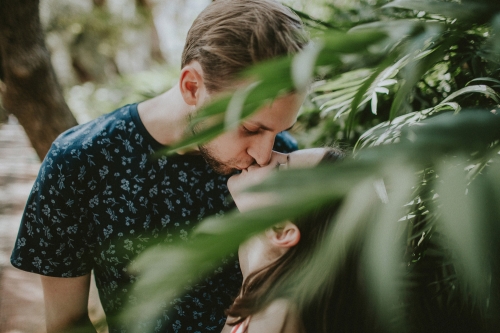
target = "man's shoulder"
x: 96, y: 132
x: 97, y: 127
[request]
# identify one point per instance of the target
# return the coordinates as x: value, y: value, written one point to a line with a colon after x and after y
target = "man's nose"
x: 261, y: 150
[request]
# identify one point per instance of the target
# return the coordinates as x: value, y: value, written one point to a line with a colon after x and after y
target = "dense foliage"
x: 414, y: 85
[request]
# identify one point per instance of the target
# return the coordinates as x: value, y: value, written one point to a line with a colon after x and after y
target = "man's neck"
x: 166, y: 117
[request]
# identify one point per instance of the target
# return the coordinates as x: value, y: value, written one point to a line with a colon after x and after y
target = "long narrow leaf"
x: 487, y: 91
x: 383, y: 252
x: 461, y: 11
x: 483, y: 79
x: 346, y: 233
x: 460, y: 216
x: 356, y: 102
x: 414, y: 71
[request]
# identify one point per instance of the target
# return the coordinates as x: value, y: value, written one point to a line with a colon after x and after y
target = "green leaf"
x: 468, y: 132
x: 236, y: 105
x: 346, y: 233
x: 382, y: 90
x: 483, y: 79
x: 337, y: 102
x: 374, y: 103
x: 448, y: 106
x: 416, y: 68
x: 462, y: 11
x: 395, y: 29
x: 388, y: 82
x: 384, y: 249
x: 333, y: 180
x: 335, y: 94
x: 357, y: 100
x: 303, y: 65
x: 348, y: 43
x: 461, y: 223
x: 305, y: 17
x: 487, y: 91
x: 191, y: 142
x: 345, y: 80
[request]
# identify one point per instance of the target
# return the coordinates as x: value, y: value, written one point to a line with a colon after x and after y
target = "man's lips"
x: 244, y: 167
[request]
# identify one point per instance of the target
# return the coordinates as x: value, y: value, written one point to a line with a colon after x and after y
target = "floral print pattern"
x: 100, y: 199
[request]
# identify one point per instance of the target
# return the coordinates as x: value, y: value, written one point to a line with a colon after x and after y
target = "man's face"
x: 252, y: 141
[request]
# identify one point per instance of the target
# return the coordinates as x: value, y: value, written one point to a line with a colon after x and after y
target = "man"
x: 100, y: 199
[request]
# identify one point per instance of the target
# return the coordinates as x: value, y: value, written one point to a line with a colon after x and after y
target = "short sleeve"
x: 54, y: 231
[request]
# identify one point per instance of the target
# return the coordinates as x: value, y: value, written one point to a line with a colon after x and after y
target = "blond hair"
x: 230, y: 35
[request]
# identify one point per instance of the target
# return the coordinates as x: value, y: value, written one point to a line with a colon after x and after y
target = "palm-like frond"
x: 419, y: 216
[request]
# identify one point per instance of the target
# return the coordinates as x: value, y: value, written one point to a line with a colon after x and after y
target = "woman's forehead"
x: 305, y: 157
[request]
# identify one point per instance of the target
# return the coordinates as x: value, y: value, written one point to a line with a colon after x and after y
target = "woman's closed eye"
x: 283, y: 166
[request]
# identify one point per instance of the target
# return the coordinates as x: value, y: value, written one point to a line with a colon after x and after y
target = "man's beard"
x: 214, y: 163
x: 211, y: 160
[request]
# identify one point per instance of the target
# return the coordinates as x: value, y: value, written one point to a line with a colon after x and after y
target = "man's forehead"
x: 279, y: 115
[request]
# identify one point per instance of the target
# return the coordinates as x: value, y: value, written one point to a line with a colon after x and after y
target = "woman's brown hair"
x: 231, y: 35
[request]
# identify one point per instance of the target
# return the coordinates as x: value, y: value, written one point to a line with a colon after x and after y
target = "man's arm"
x: 66, y: 304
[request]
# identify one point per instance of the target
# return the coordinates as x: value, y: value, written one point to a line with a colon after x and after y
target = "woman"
x: 268, y: 259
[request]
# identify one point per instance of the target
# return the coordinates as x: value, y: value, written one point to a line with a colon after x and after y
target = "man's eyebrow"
x: 265, y: 128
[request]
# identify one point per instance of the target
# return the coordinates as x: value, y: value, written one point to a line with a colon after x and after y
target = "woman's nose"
x: 279, y: 158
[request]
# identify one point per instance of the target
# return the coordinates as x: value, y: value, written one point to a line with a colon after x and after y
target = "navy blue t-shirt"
x: 100, y: 199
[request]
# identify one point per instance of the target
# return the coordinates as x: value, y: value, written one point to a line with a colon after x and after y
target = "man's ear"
x: 284, y: 235
x: 191, y: 83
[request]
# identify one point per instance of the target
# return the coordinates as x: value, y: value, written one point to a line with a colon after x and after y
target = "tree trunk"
x: 31, y: 91
x: 145, y: 7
